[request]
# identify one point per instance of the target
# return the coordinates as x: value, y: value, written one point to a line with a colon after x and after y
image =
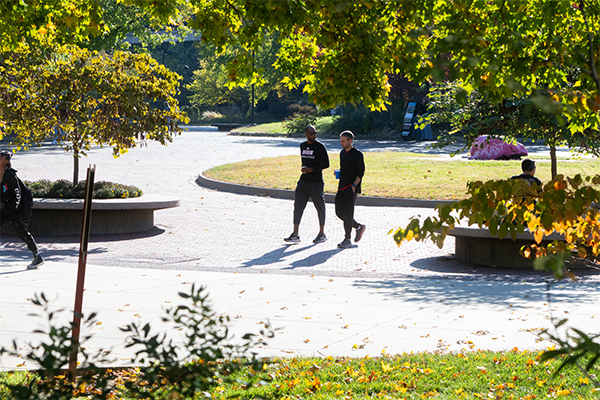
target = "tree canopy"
x: 211, y: 85
x: 343, y: 51
x: 80, y: 98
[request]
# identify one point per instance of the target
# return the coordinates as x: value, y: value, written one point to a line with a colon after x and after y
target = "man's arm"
x: 324, y: 157
x: 360, y: 170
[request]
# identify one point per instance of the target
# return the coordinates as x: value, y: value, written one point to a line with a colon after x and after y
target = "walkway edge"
x: 203, y: 181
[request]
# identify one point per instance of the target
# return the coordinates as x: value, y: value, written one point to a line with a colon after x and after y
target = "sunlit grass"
x: 510, y: 374
x: 395, y: 174
x: 323, y: 124
x: 478, y: 375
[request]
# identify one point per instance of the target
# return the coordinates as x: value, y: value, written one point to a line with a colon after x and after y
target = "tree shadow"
x: 469, y: 294
x: 155, y: 231
x: 476, y: 272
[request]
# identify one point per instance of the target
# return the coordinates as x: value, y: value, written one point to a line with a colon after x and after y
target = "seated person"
x: 528, y: 167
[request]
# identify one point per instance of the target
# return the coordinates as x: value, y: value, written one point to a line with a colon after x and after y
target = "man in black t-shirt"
x: 314, y: 160
x: 528, y: 168
x: 352, y: 170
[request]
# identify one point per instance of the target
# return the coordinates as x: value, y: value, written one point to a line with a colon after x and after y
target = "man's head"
x: 311, y: 134
x: 528, y: 166
x: 5, y: 157
x: 346, y: 139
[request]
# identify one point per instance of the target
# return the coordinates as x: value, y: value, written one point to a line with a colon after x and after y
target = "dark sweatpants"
x: 22, y: 232
x: 304, y: 191
x: 344, y: 209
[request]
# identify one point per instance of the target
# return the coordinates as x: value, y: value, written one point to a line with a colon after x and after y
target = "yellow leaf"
x: 538, y: 235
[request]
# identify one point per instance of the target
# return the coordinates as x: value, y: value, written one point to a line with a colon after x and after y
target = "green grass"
x: 471, y: 375
x: 323, y: 124
x: 394, y: 174
x: 272, y: 128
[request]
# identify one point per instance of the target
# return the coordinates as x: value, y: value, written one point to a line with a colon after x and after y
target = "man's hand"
x: 306, y: 170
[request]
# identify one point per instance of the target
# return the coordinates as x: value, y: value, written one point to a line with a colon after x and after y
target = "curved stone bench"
x: 57, y: 217
x: 478, y: 246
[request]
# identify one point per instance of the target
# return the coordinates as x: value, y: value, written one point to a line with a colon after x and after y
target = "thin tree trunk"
x: 75, y: 167
x: 553, y: 164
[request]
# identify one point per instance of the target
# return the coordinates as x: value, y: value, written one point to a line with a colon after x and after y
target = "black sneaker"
x: 293, y: 238
x: 345, y: 244
x: 359, y: 233
x: 320, y: 238
x: 38, y: 261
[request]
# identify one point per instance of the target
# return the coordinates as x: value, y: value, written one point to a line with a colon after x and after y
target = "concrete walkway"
x: 364, y: 300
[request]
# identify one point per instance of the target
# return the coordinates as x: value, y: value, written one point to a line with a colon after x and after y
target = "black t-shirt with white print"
x: 315, y: 156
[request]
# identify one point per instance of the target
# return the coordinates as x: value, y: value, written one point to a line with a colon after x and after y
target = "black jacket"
x: 10, y: 195
x: 352, y: 164
x: 529, y: 178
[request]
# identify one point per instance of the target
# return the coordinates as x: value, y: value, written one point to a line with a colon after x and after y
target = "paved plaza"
x: 371, y: 298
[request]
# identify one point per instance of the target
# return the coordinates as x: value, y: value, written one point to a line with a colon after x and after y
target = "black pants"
x: 344, y: 209
x: 21, y: 231
x: 304, y: 191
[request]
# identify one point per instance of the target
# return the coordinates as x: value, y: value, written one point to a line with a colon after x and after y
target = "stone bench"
x: 478, y: 246
x: 57, y: 217
x: 225, y: 127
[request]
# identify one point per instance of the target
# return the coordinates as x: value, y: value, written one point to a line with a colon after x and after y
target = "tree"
x: 121, y: 19
x: 82, y: 98
x: 474, y: 116
x: 211, y: 84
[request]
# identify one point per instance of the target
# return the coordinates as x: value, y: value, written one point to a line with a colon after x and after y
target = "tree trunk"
x: 553, y: 166
x: 75, y: 168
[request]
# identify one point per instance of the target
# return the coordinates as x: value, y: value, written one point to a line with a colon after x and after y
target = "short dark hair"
x: 310, y: 127
x: 527, y: 165
x: 347, y: 134
x: 6, y: 154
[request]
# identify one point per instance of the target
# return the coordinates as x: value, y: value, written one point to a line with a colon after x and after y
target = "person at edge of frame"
x: 11, y: 209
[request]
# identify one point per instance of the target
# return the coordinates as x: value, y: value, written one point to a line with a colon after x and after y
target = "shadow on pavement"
x: 275, y: 256
x: 314, y: 259
x: 155, y: 231
x: 469, y: 271
x: 473, y: 293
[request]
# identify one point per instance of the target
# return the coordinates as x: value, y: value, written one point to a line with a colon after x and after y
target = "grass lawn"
x: 472, y: 375
x: 394, y: 174
x: 323, y: 124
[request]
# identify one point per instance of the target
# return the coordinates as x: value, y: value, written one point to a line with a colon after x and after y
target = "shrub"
x: 297, y: 123
x: 203, y: 360
x: 301, y: 109
x: 63, y: 189
x: 211, y: 115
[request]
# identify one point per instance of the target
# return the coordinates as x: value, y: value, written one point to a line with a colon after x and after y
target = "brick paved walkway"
x: 214, y: 231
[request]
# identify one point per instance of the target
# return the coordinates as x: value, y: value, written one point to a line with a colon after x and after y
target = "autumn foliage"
x: 567, y: 206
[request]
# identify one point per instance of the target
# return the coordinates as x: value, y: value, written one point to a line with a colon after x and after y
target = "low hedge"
x: 64, y: 189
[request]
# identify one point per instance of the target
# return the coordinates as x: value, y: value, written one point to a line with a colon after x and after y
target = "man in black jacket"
x: 528, y: 168
x: 352, y: 170
x: 12, y: 209
x: 314, y: 160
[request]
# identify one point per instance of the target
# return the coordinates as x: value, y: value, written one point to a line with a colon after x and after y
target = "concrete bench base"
x: 58, y: 217
x: 479, y: 247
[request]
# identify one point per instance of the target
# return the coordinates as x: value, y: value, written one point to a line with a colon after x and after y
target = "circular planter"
x: 58, y: 217
x: 478, y: 246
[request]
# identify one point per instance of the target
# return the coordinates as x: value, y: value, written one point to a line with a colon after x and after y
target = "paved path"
x: 216, y: 231
x: 233, y: 244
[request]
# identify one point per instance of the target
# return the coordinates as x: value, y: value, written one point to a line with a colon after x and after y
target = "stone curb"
x: 329, y: 198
